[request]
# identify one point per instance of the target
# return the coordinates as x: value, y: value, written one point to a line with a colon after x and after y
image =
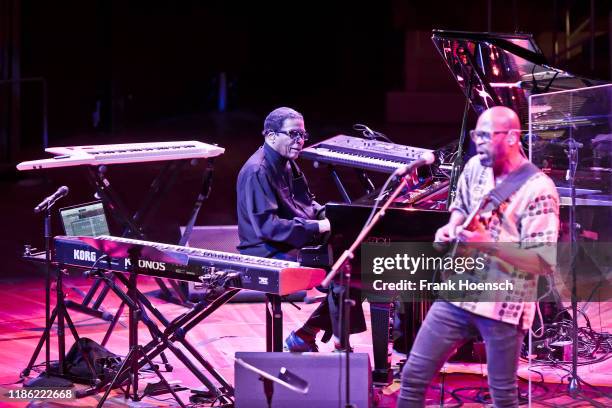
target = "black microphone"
x: 426, y: 158
x: 49, y: 201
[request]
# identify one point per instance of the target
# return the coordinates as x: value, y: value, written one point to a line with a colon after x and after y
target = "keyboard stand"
x: 274, y: 323
x: 334, y: 174
x: 173, y: 331
x: 365, y: 180
x: 127, y: 375
x: 134, y: 227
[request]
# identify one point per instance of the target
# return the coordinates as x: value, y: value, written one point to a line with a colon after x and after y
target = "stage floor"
x: 234, y: 327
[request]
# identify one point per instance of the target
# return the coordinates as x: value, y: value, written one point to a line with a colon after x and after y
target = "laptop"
x: 87, y: 219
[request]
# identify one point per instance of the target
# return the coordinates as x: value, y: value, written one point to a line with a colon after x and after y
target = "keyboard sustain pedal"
x: 158, y: 388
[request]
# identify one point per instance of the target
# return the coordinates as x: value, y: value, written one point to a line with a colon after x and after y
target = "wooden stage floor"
x: 234, y: 327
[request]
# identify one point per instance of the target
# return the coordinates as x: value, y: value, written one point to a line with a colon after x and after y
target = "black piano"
x: 490, y: 69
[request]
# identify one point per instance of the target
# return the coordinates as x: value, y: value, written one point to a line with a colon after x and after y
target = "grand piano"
x: 490, y: 69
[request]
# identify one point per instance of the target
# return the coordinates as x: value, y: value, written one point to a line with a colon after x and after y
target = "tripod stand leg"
x: 126, y: 365
x: 161, y: 377
x: 77, y: 339
x: 114, y: 322
x: 91, y: 292
x: 59, y: 307
x: 100, y: 298
x: 43, y: 337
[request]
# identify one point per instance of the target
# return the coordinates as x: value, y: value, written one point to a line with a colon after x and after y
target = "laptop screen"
x: 85, y: 220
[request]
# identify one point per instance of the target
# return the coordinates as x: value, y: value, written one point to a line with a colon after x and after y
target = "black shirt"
x: 276, y: 211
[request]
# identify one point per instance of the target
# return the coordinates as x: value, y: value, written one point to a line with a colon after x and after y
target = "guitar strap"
x: 511, y: 184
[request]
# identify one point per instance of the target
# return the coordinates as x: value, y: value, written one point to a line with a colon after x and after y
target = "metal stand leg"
x: 174, y: 331
x: 136, y: 357
x: 274, y: 323
x: 345, y: 196
x: 61, y: 314
x: 380, y: 314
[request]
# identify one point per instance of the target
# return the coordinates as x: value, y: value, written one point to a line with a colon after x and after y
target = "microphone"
x: 426, y: 158
x: 49, y: 201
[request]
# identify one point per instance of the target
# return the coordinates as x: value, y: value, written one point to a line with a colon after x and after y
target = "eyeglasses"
x: 486, y: 136
x: 295, y: 134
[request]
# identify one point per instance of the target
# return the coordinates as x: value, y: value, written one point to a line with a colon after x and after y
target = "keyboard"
x: 122, y: 153
x: 365, y: 154
x: 187, y: 264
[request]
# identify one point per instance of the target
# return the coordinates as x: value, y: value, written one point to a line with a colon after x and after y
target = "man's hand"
x: 478, y: 235
x: 445, y: 233
x: 324, y: 226
x: 475, y: 241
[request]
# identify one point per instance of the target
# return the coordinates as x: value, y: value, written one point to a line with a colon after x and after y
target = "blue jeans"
x: 445, y: 328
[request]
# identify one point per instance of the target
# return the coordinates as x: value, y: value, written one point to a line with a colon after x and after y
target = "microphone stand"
x: 47, y: 222
x: 343, y: 263
x: 574, y: 387
x: 572, y: 155
x: 46, y: 379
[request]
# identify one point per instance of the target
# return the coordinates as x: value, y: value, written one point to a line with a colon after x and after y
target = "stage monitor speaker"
x: 224, y: 238
x: 324, y: 372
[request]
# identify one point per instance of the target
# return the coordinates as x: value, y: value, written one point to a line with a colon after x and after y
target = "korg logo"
x: 81, y: 255
x: 154, y: 265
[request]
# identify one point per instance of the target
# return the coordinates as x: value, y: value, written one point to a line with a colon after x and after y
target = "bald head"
x: 499, y: 118
x: 498, y: 140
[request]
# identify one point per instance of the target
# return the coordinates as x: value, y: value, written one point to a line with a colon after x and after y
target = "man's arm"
x: 446, y: 233
x: 268, y: 226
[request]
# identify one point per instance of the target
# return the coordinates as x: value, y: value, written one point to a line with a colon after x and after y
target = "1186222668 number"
x: 37, y: 393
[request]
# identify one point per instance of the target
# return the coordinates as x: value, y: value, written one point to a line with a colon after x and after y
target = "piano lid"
x: 501, y: 69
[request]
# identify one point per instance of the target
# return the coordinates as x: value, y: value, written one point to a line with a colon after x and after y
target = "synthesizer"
x: 360, y: 153
x: 160, y: 260
x: 96, y: 155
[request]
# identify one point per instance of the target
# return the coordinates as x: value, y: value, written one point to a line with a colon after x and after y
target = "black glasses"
x: 485, y: 135
x: 295, y: 134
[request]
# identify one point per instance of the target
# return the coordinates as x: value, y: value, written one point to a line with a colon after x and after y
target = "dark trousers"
x: 326, y: 315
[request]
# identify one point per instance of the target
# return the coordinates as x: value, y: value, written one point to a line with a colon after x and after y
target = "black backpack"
x: 91, y: 364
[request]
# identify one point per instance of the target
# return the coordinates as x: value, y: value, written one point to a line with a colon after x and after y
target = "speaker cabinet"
x: 325, y: 374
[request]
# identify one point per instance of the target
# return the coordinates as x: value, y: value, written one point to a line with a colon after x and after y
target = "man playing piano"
x: 528, y: 215
x: 277, y: 214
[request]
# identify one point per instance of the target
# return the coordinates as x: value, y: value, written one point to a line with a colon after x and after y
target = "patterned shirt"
x: 529, y: 217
